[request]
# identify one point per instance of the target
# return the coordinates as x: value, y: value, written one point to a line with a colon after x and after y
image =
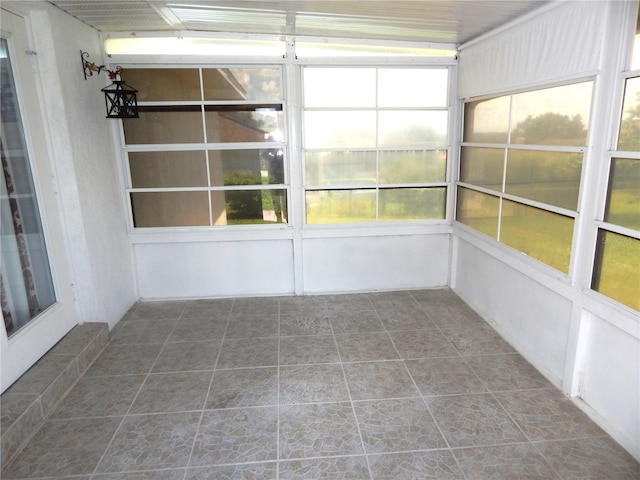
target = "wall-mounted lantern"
x: 121, y: 100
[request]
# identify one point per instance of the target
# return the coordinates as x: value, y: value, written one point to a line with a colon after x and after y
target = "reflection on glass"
x: 542, y: 235
x: 487, y: 121
x: 411, y: 204
x: 623, y: 202
x: 261, y: 84
x: 478, y: 210
x: 412, y: 87
x: 235, y: 123
x: 413, y: 166
x: 340, y: 206
x: 164, y: 84
x: 339, y: 129
x: 339, y: 168
x: 249, y: 207
x: 181, y: 124
x: 170, y: 209
x: 629, y: 137
x: 617, y: 268
x: 25, y: 274
x: 412, y: 128
x: 168, y: 169
x: 552, y: 116
x: 548, y: 177
x: 635, y: 59
x: 482, y: 166
x: 339, y: 87
x: 246, y: 167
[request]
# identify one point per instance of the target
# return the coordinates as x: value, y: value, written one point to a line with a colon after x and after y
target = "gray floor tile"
x: 504, y: 462
x: 337, y: 304
x: 318, y: 430
x: 245, y: 471
x: 156, y: 310
x: 507, y: 372
x: 185, y: 356
x: 444, y: 376
x: 397, y: 426
x: 305, y: 305
x: 365, y: 321
x: 471, y: 420
x: 100, y: 396
x: 434, y: 464
x: 173, y: 474
x: 312, y: 383
x: 249, y: 352
x: 252, y: 326
x: 173, y: 392
x: 236, y: 435
x: 547, y: 414
x: 42, y: 374
x: 144, y: 331
x: 396, y: 317
x: 147, y: 442
x: 198, y: 329
x: 211, y: 308
x: 376, y: 380
x: 244, y: 387
x: 255, y: 306
x: 125, y: 360
x: 63, y: 448
x: 305, y: 324
x: 590, y: 459
x: 308, y: 349
x: 366, y: 347
x: 453, y: 315
x: 477, y: 340
x: 422, y: 344
x: 335, y: 468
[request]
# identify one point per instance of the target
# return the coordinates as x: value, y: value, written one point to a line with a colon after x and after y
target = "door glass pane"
x: 537, y: 120
x: 261, y: 84
x: 26, y: 285
x: 629, y: 138
x: 413, y: 166
x: 482, y: 166
x: 487, y: 121
x: 411, y: 204
x: 412, y: 87
x: 179, y: 124
x: 617, y: 268
x: 479, y: 211
x: 548, y: 177
x: 340, y: 168
x: 540, y: 234
x: 412, y: 128
x: 341, y: 206
x: 168, y: 169
x: 623, y: 202
x: 164, y: 84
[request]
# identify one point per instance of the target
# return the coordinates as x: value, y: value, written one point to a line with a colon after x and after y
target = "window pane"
x: 413, y: 166
x: 339, y: 129
x: 552, y: 116
x: 244, y: 207
x: 411, y: 203
x: 340, y: 168
x: 340, y: 206
x: 246, y: 167
x: 623, y: 203
x: 542, y: 235
x: 635, y: 60
x: 412, y: 128
x: 617, y: 268
x: 548, y: 177
x: 482, y: 166
x: 170, y: 209
x: 487, y: 121
x: 412, y: 87
x: 478, y: 210
x: 339, y: 87
x: 164, y: 84
x: 165, y: 125
x: 235, y: 123
x: 629, y: 138
x: 168, y: 169
x: 241, y: 84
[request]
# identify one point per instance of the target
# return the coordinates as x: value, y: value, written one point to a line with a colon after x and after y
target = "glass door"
x: 36, y: 302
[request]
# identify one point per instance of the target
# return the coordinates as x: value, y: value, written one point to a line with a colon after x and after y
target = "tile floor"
x: 402, y: 385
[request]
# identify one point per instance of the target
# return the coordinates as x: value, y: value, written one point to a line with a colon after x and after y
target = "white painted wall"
x: 86, y: 165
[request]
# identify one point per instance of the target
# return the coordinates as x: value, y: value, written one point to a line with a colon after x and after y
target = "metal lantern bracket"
x: 121, y: 100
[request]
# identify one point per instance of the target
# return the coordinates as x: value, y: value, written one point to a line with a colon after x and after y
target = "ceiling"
x: 437, y: 21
